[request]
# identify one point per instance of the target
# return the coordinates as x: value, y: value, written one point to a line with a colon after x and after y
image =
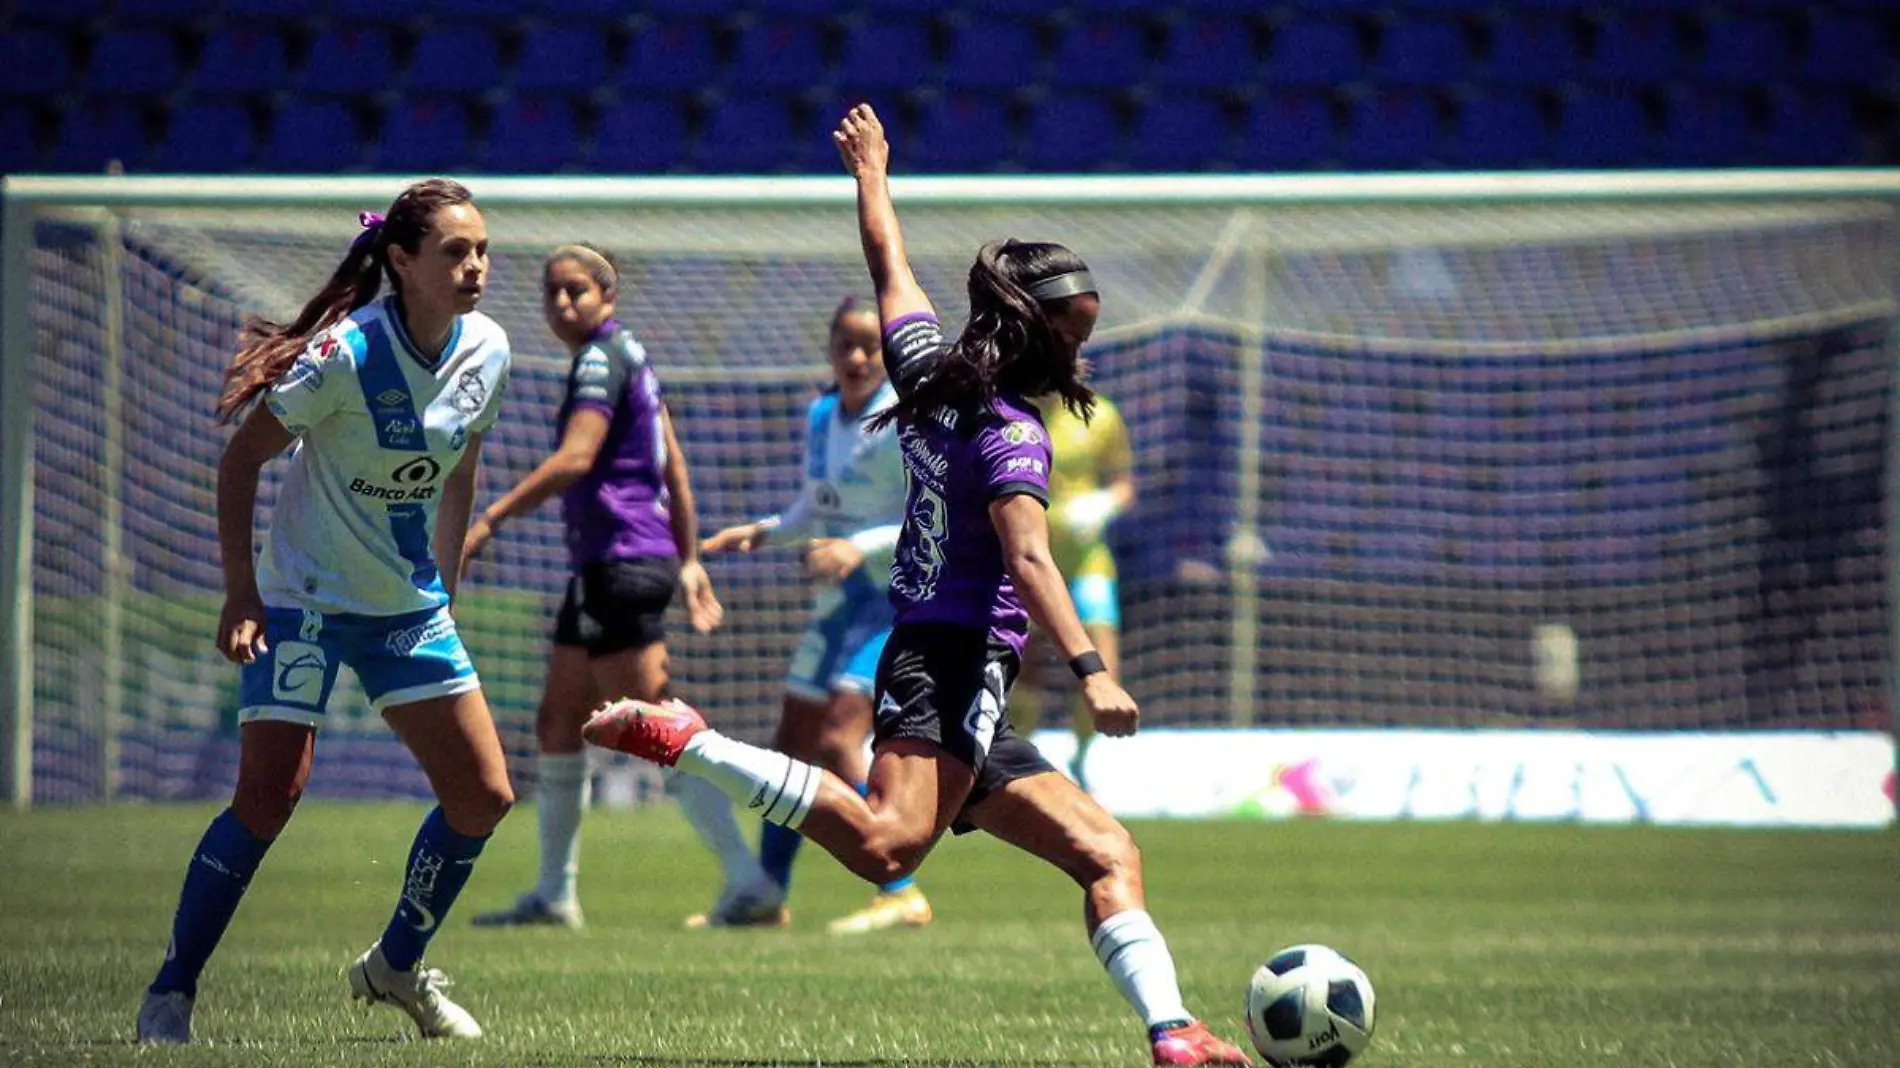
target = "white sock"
x: 560, y: 796
x: 772, y: 784
x: 1130, y: 946
x: 710, y: 813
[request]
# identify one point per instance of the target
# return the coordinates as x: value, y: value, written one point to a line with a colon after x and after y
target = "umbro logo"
x: 888, y: 705
x: 391, y: 397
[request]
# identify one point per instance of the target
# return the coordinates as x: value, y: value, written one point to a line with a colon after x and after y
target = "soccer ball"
x: 1309, y: 1005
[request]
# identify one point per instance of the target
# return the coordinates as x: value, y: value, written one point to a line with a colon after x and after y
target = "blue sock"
x: 440, y: 863
x: 221, y: 868
x: 892, y: 887
x: 778, y: 845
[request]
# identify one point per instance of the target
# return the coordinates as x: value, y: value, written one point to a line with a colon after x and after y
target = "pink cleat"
x: 651, y: 732
x: 1193, y: 1043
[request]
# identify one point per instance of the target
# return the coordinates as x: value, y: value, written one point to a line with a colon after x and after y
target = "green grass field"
x: 1489, y: 946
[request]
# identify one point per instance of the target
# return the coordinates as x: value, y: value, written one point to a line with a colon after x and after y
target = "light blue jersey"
x: 854, y: 484
x: 854, y: 488
x: 379, y: 428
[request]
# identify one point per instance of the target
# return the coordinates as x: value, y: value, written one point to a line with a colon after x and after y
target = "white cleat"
x: 420, y: 993
x: 165, y: 1019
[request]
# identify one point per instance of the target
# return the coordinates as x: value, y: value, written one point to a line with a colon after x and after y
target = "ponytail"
x: 269, y: 348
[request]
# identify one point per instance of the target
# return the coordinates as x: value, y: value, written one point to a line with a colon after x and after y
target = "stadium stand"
x: 513, y: 85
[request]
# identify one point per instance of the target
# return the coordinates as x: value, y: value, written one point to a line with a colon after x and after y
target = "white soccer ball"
x: 1309, y: 1005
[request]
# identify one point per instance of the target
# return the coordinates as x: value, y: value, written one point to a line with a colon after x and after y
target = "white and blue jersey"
x: 854, y: 488
x: 348, y: 572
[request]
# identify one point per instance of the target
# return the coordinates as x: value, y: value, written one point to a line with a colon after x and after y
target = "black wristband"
x: 1086, y: 664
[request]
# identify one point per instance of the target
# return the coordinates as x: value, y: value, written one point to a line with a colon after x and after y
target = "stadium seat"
x: 97, y: 132
x: 883, y: 54
x: 346, y: 60
x: 490, y: 11
x: 745, y: 134
x: 1528, y: 50
x: 1636, y: 49
x: 643, y: 135
x: 159, y: 12
x: 34, y: 63
x: 19, y: 143
x: 311, y: 138
x: 423, y: 133
x: 668, y: 54
x: 455, y: 60
x: 240, y: 59
x: 990, y: 55
x: 960, y: 132
x: 1705, y: 127
x: 1744, y: 50
x: 1601, y: 129
x: 206, y: 137
x: 1499, y: 130
x: 1288, y: 131
x: 1207, y: 51
x: 1393, y: 130
x: 1417, y: 53
x: 532, y: 135
x: 776, y: 54
x: 1846, y: 50
x: 1071, y: 132
x: 1314, y: 52
x: 280, y: 11
x: 1100, y: 52
x: 376, y: 12
x: 1177, y: 133
x: 58, y: 14
x: 132, y: 63
x: 1812, y: 128
x: 572, y: 58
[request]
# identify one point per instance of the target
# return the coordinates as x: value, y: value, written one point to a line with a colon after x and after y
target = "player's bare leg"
x: 568, y: 696
x: 915, y: 789
x: 898, y: 902
x: 1052, y: 818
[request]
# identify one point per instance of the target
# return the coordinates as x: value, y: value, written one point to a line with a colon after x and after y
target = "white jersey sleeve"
x: 321, y: 381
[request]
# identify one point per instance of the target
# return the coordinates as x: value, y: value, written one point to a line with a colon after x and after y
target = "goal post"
x: 1330, y: 380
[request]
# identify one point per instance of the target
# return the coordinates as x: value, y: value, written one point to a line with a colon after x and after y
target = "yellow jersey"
x: 1089, y: 456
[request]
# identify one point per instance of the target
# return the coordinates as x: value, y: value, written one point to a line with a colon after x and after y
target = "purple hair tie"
x: 372, y: 223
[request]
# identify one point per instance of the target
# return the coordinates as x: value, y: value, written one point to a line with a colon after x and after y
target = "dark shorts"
x: 617, y: 605
x: 949, y: 685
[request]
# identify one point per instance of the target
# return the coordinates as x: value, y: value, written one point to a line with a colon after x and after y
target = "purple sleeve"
x: 912, y: 344
x: 1016, y: 459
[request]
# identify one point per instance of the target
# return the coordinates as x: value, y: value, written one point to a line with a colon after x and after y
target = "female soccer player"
x: 972, y: 568
x: 386, y: 402
x: 851, y: 510
x: 1094, y: 483
x: 633, y: 537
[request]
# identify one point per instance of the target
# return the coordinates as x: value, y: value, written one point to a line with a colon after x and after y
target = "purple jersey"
x: 618, y: 510
x: 949, y: 564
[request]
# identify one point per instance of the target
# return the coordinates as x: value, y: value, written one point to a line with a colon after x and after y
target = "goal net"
x: 1609, y: 457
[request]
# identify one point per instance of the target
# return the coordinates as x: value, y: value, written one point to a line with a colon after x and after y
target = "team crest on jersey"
x: 1022, y: 432
x: 470, y: 392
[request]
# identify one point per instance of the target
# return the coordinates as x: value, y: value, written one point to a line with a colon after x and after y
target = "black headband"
x: 1057, y: 287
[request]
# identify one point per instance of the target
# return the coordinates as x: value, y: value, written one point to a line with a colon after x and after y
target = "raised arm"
x: 867, y: 155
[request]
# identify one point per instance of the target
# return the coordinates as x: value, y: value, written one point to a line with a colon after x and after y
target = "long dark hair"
x: 1008, y: 346
x: 270, y: 347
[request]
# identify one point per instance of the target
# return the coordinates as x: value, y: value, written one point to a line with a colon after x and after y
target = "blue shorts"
x: 1097, y: 602
x: 397, y: 659
x: 842, y: 644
